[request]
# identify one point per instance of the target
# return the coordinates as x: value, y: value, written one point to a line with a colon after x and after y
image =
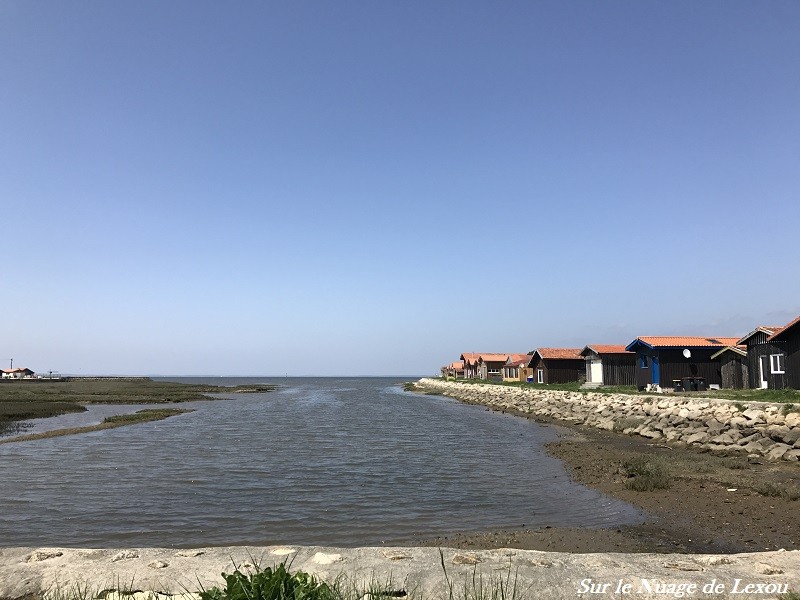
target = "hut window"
x: 776, y: 362
x: 539, y: 375
x: 643, y: 361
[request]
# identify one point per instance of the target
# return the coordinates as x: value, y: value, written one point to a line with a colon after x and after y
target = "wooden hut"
x: 666, y: 361
x: 790, y: 337
x: 557, y: 365
x: 764, y: 360
x: 733, y: 367
x: 608, y: 364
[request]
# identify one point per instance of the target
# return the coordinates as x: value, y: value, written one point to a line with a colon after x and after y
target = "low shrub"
x: 268, y: 584
x: 646, y: 475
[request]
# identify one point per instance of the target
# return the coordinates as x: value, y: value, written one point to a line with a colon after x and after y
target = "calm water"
x: 351, y: 461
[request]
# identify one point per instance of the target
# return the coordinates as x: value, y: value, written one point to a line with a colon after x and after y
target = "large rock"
x: 777, y: 451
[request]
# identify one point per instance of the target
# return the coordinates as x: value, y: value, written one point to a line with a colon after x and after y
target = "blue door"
x: 656, y: 371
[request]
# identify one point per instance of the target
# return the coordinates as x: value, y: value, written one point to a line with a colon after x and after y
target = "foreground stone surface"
x: 761, y: 429
x: 416, y: 571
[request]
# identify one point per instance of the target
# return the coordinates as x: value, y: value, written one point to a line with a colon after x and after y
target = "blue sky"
x: 369, y: 188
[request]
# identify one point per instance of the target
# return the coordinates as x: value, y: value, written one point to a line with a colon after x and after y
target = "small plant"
x: 740, y: 406
x: 776, y: 491
x: 268, y: 584
x: 791, y: 595
x: 645, y: 475
x: 789, y: 408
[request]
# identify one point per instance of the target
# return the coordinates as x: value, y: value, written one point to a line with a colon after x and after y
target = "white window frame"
x: 539, y: 375
x: 776, y: 361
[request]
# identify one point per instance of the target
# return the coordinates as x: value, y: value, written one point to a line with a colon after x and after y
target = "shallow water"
x: 351, y: 461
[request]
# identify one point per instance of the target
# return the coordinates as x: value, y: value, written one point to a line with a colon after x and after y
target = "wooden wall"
x: 734, y: 371
x: 619, y: 369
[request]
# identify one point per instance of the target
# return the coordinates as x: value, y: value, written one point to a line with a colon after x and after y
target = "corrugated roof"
x: 691, y: 341
x: 563, y: 353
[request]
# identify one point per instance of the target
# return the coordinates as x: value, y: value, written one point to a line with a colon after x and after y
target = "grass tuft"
x: 646, y: 475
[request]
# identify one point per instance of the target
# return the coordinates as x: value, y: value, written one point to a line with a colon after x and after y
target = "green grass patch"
x: 270, y: 584
x: 646, y: 474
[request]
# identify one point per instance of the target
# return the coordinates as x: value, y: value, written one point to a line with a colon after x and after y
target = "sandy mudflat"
x: 697, y: 514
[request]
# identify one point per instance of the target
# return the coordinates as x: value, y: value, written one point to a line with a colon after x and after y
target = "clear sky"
x: 370, y: 188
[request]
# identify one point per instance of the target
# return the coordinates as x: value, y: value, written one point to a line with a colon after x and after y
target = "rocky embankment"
x: 758, y: 429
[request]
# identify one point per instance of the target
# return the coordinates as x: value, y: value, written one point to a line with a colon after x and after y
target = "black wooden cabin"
x: 789, y: 336
x: 765, y: 358
x: 666, y: 360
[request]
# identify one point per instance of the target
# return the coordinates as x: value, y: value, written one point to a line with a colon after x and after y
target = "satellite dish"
x: 687, y: 353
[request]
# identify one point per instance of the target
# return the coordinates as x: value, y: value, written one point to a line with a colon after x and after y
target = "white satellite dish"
x: 687, y: 353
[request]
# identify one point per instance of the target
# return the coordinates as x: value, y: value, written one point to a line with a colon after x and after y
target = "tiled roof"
x: 457, y: 365
x: 494, y: 357
x: 565, y: 353
x: 518, y: 360
x: 691, y: 341
x: 783, y: 330
x: 607, y: 349
x: 470, y: 357
x: 768, y: 329
x: 740, y: 350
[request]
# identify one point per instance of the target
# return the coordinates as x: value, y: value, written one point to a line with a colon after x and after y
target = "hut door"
x: 763, y: 362
x: 594, y: 372
x: 656, y: 371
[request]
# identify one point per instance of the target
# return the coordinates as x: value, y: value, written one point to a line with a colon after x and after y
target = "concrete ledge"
x: 29, y: 572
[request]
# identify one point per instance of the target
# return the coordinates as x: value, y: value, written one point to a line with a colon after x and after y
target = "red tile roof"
x: 681, y: 341
x: 457, y: 365
x: 768, y: 329
x: 470, y: 357
x: 782, y: 330
x: 494, y: 357
x: 608, y: 349
x: 563, y: 353
x: 518, y: 360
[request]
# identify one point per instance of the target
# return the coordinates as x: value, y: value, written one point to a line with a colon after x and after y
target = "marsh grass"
x: 142, y: 416
x: 36, y: 399
x: 772, y: 490
x: 646, y: 474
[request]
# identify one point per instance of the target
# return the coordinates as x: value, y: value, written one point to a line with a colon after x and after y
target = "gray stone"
x: 777, y: 451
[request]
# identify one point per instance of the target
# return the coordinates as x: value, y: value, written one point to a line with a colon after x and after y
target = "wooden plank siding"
x: 758, y: 347
x: 734, y: 371
x: 559, y: 370
x: 619, y: 369
x: 793, y: 360
x: 673, y: 365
